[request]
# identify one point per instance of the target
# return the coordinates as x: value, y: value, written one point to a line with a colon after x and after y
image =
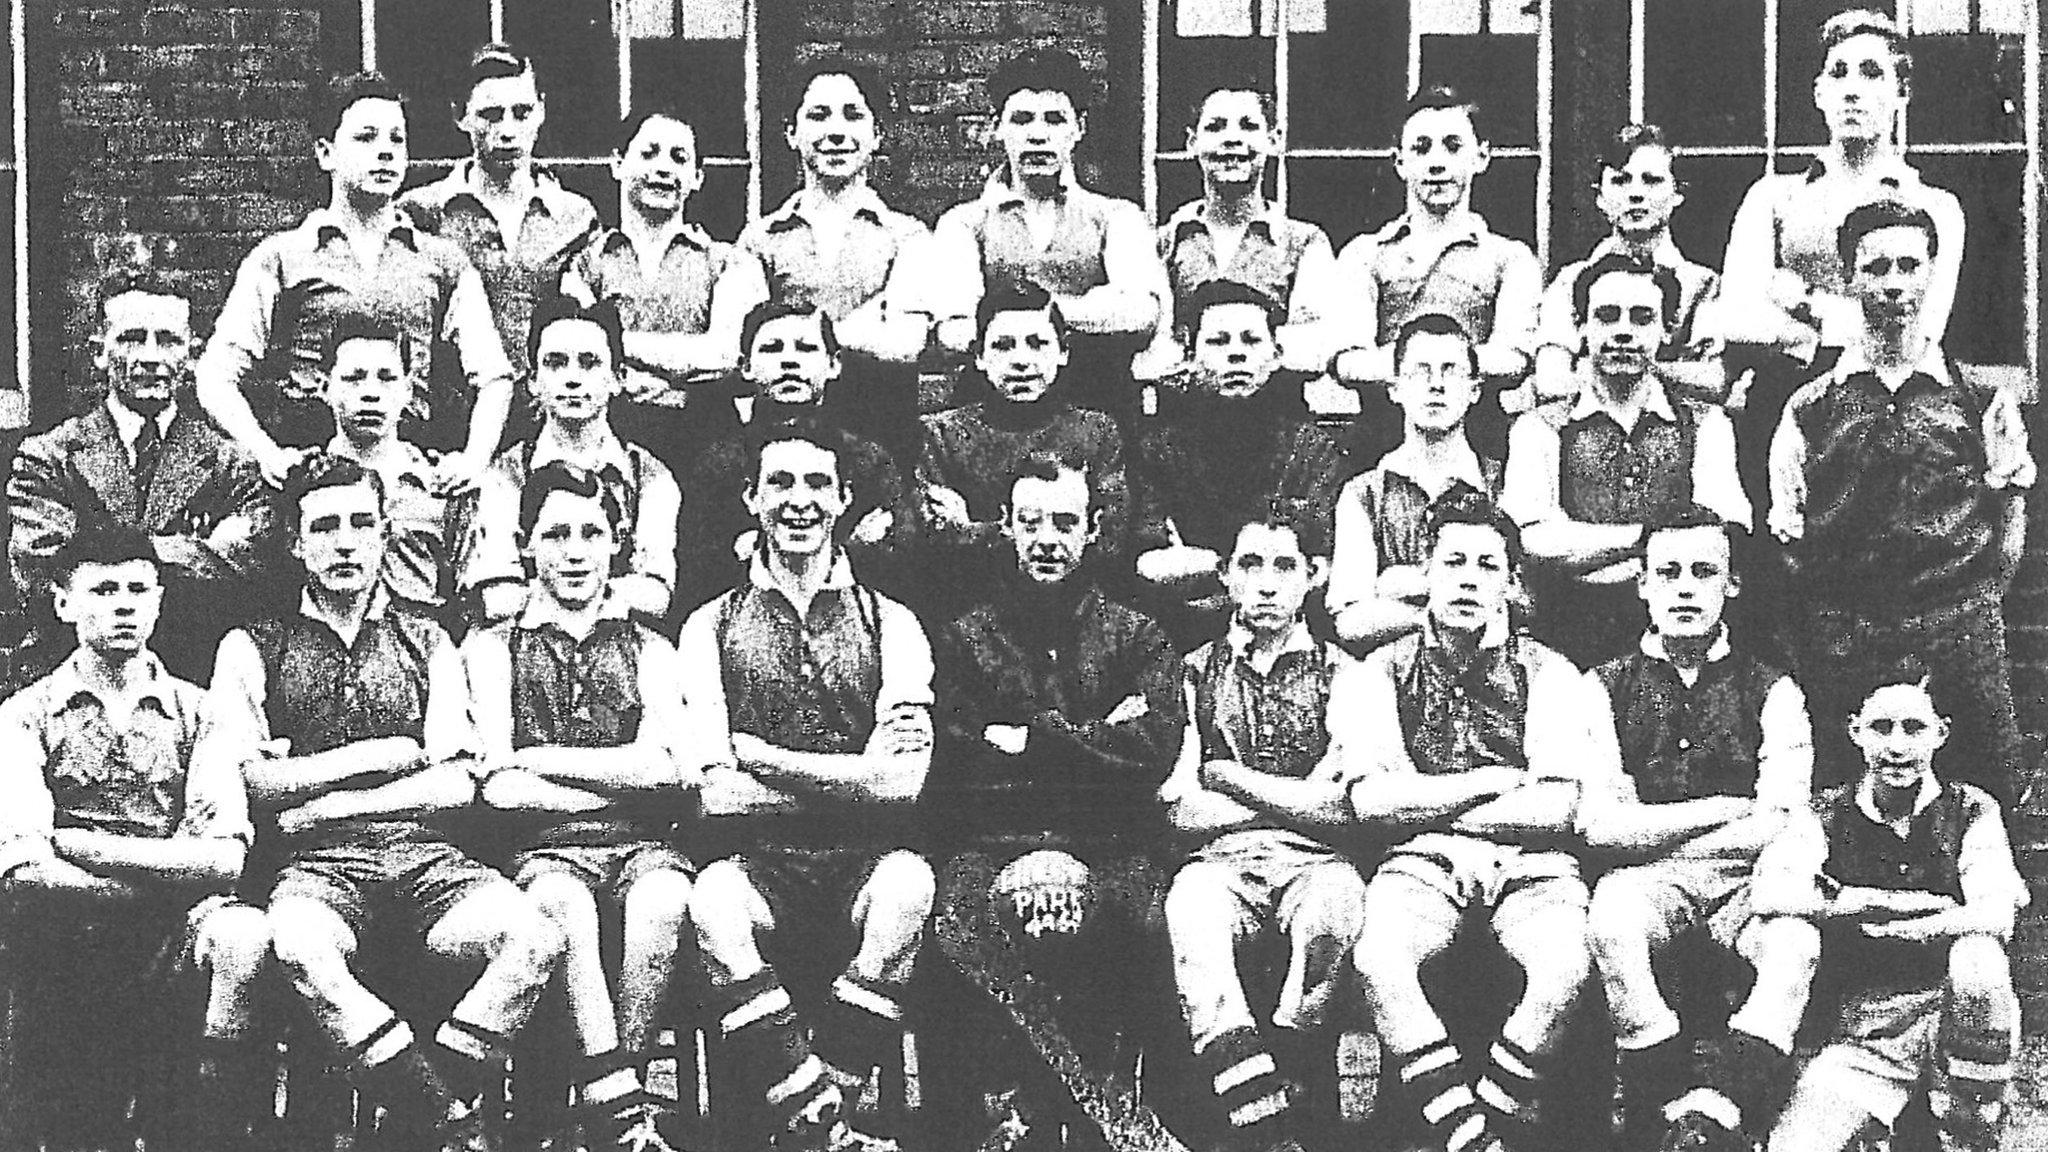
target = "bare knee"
x: 900, y: 891
x: 1555, y: 962
x: 1618, y: 921
x: 1198, y: 900
x: 307, y: 940
x: 724, y: 901
x: 1330, y: 904
x: 1978, y: 968
x: 234, y: 943
x: 1782, y: 944
x: 658, y: 904
x: 566, y: 902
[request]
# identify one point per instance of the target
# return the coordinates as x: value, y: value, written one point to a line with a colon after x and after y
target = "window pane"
x: 1506, y: 196
x: 1970, y: 89
x: 1346, y: 196
x: 8, y: 374
x: 578, y: 62
x: 720, y: 206
x: 1497, y: 71
x: 592, y: 181
x: 1179, y: 182
x: 1799, y: 62
x: 425, y: 50
x: 1714, y: 187
x: 1190, y: 67
x: 704, y: 79
x: 1346, y: 86
x: 1703, y: 71
x: 1988, y: 325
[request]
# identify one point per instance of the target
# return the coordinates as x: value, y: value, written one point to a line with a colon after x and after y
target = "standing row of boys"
x: 958, y: 684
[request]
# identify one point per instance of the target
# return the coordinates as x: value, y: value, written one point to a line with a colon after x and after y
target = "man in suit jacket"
x: 147, y: 459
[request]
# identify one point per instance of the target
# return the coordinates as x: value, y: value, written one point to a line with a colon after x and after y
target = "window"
x: 1340, y: 72
x: 14, y: 216
x: 598, y: 60
x: 1972, y: 129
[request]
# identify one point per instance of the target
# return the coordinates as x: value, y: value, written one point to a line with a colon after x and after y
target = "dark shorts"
x: 417, y: 880
x: 607, y: 870
x: 810, y: 894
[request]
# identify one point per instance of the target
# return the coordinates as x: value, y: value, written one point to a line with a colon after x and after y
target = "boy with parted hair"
x: 1376, y: 588
x: 1719, y: 752
x: 587, y: 743
x: 1913, y: 881
x: 117, y: 843
x: 1260, y: 790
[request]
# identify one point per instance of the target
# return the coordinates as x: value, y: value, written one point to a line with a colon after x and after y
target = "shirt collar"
x: 380, y: 599
x: 1298, y: 639
x: 838, y: 578
x: 1493, y: 639
x: 71, y: 680
x: 1466, y: 226
x: 415, y: 464
x: 1195, y: 214
x: 1933, y: 363
x: 1000, y: 193
x: 128, y: 422
x: 1664, y: 254
x: 325, y: 224
x: 1866, y: 797
x: 548, y: 448
x: 1894, y: 173
x: 1406, y: 460
x: 1592, y: 399
x: 1652, y: 645
x: 793, y: 212
x: 547, y: 194
x: 689, y: 233
x: 544, y: 611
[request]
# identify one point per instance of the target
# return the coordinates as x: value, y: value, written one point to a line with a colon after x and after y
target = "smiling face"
x: 340, y: 538
x: 1268, y: 577
x: 145, y: 348
x: 1049, y: 526
x: 502, y: 120
x: 1038, y: 132
x: 367, y: 156
x: 788, y: 362
x: 834, y: 131
x: 658, y: 171
x: 571, y: 547
x: 796, y: 497
x: 1624, y: 324
x: 1235, y: 353
x: 1639, y: 197
x: 1468, y: 577
x: 367, y: 389
x: 1686, y: 582
x: 1232, y: 140
x: 112, y: 607
x: 1021, y: 355
x: 1434, y: 384
x: 1898, y: 732
x: 1440, y: 156
x: 573, y: 374
x: 1890, y: 276
x: 1858, y: 91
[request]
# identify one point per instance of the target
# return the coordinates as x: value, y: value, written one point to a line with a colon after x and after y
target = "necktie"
x: 149, y: 452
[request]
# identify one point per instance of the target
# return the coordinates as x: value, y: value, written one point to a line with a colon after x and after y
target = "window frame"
x: 16, y: 408
x: 1540, y: 152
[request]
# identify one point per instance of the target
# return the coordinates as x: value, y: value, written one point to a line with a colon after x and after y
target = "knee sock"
x: 1753, y: 1074
x: 858, y: 1028
x: 470, y: 1058
x: 1439, y: 1082
x: 1651, y: 1078
x: 1513, y: 1087
x: 390, y: 1068
x: 1257, y: 1102
x: 757, y: 1020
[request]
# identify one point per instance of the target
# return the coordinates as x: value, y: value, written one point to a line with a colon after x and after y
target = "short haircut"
x: 768, y: 310
x: 560, y: 476
x: 1909, y: 668
x: 1019, y: 297
x: 1433, y: 324
x: 1286, y: 514
x: 873, y: 88
x: 1047, y: 466
x: 1440, y: 96
x: 1665, y: 279
x: 324, y: 470
x: 1617, y: 150
x: 342, y: 93
x: 1215, y: 293
x: 631, y: 123
x: 1478, y: 512
x: 1866, y: 22
x: 1041, y: 70
x: 1875, y: 216
x: 1267, y: 105
x: 1684, y: 517
x: 807, y: 428
x: 136, y: 263
x: 499, y: 61
x: 554, y: 309
x: 360, y: 327
x: 106, y: 542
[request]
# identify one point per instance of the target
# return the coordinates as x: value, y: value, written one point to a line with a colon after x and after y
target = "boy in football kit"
x: 1914, y: 883
x: 819, y: 692
x: 586, y: 738
x: 1376, y: 589
x: 1488, y: 746
x: 1258, y: 788
x: 349, y: 720
x: 115, y: 839
x: 356, y: 257
x: 1720, y: 753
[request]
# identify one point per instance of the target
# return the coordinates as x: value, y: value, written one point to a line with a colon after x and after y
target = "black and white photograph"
x: 1023, y: 576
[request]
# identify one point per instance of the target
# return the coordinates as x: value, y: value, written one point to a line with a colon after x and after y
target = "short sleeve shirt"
x: 1071, y: 264
x: 1268, y: 257
x: 1463, y: 279
x: 677, y: 298
x: 883, y: 249
x: 1382, y: 516
x: 1557, y: 325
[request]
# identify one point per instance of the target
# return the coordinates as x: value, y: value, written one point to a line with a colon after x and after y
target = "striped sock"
x: 1257, y: 1101
x: 1438, y: 1081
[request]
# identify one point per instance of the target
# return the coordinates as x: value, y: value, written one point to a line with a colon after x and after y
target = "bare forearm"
x: 441, y: 788
x: 1655, y: 828
x: 291, y: 779
x: 628, y: 768
x: 487, y: 418
x: 1419, y: 800
x: 859, y: 774
x: 1579, y: 547
x: 682, y: 353
x: 1540, y: 810
x: 1315, y: 802
x: 1110, y: 309
x: 1377, y: 620
x: 185, y: 860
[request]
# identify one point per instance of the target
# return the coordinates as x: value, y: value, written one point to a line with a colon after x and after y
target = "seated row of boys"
x: 788, y: 733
